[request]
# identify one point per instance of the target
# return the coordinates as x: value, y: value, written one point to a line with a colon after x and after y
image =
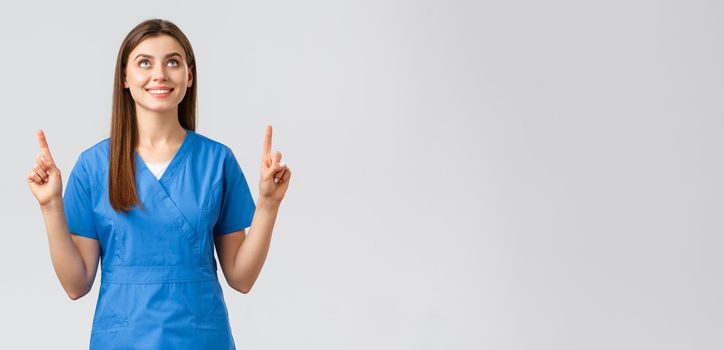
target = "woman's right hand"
x: 44, y: 179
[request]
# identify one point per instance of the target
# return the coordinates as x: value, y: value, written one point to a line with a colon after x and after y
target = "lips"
x: 159, y: 91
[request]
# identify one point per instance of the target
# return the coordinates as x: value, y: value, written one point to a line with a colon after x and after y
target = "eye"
x: 140, y: 63
x: 174, y: 61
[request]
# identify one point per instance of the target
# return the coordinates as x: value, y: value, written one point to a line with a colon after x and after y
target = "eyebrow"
x: 167, y: 56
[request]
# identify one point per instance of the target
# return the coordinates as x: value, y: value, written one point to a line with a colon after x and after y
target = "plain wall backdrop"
x: 467, y: 174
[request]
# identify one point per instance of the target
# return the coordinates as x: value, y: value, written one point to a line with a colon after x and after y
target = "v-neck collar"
x: 175, y: 162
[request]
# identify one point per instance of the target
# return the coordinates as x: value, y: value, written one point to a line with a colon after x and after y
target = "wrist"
x: 55, y: 203
x: 268, y: 203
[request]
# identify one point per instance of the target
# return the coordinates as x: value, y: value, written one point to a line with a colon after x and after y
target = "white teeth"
x: 159, y: 91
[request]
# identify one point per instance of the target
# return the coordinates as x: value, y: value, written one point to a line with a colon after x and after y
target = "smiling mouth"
x: 159, y: 92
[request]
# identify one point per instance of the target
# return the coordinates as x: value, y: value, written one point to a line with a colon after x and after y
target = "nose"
x: 159, y: 72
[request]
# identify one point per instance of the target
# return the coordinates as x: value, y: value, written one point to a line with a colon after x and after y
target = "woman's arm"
x: 74, y: 257
x: 242, y: 257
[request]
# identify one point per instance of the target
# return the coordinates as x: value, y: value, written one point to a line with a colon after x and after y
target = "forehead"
x: 157, y: 46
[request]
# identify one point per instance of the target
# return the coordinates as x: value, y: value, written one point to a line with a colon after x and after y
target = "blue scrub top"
x: 159, y: 287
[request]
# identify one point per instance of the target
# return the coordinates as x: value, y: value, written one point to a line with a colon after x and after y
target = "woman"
x: 152, y: 201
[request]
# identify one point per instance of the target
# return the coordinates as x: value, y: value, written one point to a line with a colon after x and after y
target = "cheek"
x: 180, y: 78
x: 135, y: 79
x: 136, y: 82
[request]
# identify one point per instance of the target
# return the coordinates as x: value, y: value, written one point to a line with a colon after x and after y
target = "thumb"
x: 276, y: 157
x: 274, y: 169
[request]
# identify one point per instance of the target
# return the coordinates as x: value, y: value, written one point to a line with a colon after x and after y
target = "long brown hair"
x: 124, y: 129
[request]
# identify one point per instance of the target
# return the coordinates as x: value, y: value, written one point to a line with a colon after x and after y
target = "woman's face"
x: 157, y: 74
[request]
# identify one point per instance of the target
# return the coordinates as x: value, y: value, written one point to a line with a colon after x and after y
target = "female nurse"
x: 152, y: 202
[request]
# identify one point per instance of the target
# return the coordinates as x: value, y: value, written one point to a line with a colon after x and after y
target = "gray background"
x: 467, y: 174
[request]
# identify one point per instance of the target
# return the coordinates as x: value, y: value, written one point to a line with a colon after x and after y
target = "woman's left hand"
x: 275, y: 174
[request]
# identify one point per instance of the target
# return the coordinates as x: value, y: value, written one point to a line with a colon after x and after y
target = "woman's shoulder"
x: 97, y: 152
x: 92, y: 163
x: 207, y: 144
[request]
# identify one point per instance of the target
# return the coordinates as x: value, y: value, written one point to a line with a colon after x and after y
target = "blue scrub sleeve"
x: 237, y: 205
x: 77, y: 202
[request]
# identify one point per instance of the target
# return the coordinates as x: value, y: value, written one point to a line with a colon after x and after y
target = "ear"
x: 191, y: 79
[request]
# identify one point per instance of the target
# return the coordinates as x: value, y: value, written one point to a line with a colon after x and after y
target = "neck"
x: 158, y: 128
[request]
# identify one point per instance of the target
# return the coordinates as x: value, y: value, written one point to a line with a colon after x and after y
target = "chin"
x: 159, y: 108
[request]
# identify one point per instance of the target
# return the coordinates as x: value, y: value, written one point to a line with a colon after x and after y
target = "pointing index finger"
x: 268, y: 139
x: 44, y: 145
